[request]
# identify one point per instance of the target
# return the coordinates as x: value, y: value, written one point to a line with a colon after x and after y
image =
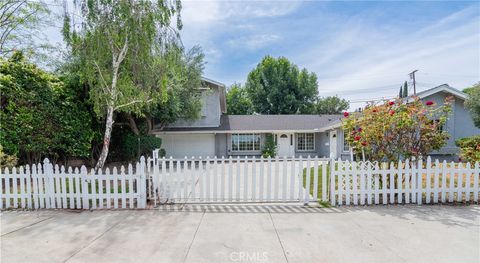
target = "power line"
x: 371, y: 99
x: 366, y: 89
x: 450, y: 75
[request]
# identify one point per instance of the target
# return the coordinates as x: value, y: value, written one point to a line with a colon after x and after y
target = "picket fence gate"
x: 367, y: 183
x: 54, y: 187
x: 238, y: 180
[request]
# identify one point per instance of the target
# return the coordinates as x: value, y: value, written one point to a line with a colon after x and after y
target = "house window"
x: 305, y: 141
x: 246, y: 142
x: 439, y: 127
x: 346, y: 145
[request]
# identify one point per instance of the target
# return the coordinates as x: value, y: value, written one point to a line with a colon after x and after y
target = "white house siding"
x: 209, y: 114
x: 181, y: 145
x: 221, y: 145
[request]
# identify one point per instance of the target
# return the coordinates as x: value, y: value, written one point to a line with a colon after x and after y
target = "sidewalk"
x: 245, y: 233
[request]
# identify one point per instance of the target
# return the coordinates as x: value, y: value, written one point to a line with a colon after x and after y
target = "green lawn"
x: 320, y: 176
x: 424, y: 179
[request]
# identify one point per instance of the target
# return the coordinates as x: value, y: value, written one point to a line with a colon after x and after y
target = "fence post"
x: 419, y: 181
x: 30, y: 182
x: 49, y: 190
x: 15, y: 176
x: 332, y: 181
x: 308, y: 171
x: 155, y: 156
x: 476, y: 175
x: 143, y: 185
x: 428, y: 180
x: 468, y: 182
x: 83, y: 179
x: 324, y: 181
x: 155, y: 176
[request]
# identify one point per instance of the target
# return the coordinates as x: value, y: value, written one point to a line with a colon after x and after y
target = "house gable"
x: 445, y: 88
x: 213, y: 102
x: 460, y: 123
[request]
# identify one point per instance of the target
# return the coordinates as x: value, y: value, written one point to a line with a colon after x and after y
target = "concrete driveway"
x: 245, y: 233
x: 239, y: 181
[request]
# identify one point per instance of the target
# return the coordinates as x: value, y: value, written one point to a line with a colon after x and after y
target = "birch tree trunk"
x: 116, y: 61
x: 106, y: 138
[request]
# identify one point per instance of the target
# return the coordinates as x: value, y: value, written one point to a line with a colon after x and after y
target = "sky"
x: 359, y: 50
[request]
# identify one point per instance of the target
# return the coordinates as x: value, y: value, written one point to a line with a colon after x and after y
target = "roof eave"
x: 444, y: 88
x: 331, y: 127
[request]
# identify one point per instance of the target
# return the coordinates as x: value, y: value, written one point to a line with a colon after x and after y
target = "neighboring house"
x: 460, y: 122
x: 218, y: 134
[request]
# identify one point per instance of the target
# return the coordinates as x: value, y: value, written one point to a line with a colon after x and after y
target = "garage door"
x: 181, y: 145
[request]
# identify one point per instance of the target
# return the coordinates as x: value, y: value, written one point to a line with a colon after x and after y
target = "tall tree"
x: 405, y: 90
x: 473, y: 103
x: 20, y: 24
x: 276, y: 86
x: 331, y: 105
x: 238, y: 101
x: 117, y: 45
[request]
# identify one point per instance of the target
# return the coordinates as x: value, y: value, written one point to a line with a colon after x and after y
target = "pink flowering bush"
x: 391, y: 130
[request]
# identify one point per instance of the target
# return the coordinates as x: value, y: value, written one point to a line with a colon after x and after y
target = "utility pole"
x: 412, y: 76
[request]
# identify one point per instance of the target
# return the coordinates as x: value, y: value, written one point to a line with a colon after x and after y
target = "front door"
x: 285, y: 146
x: 333, y: 144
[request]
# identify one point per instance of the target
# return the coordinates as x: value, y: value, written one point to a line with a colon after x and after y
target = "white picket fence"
x: 250, y: 179
x: 238, y: 180
x: 246, y: 179
x: 366, y: 183
x: 48, y: 186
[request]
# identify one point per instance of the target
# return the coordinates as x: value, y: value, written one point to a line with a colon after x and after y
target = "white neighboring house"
x: 219, y: 134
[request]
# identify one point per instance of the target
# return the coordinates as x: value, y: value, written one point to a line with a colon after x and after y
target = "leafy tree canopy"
x: 276, y: 86
x: 40, y: 116
x: 331, y: 105
x: 118, y: 45
x: 238, y: 101
x: 19, y: 22
x: 184, y: 75
x: 473, y: 102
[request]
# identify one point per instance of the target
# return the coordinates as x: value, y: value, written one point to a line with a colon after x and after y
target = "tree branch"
x: 131, y: 103
x: 101, y: 76
x: 132, y: 124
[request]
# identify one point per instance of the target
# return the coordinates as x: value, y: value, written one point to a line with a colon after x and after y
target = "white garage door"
x: 181, y: 145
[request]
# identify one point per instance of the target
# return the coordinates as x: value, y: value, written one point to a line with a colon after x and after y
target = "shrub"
x: 395, y: 129
x: 269, y: 148
x: 469, y: 148
x: 7, y: 160
x: 135, y: 146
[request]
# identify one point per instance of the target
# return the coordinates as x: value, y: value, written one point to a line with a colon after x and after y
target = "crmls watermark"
x: 248, y: 256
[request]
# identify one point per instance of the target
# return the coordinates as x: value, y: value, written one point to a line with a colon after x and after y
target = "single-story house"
x: 217, y: 134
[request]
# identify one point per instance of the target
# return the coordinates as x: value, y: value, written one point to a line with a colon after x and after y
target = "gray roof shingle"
x: 267, y: 123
